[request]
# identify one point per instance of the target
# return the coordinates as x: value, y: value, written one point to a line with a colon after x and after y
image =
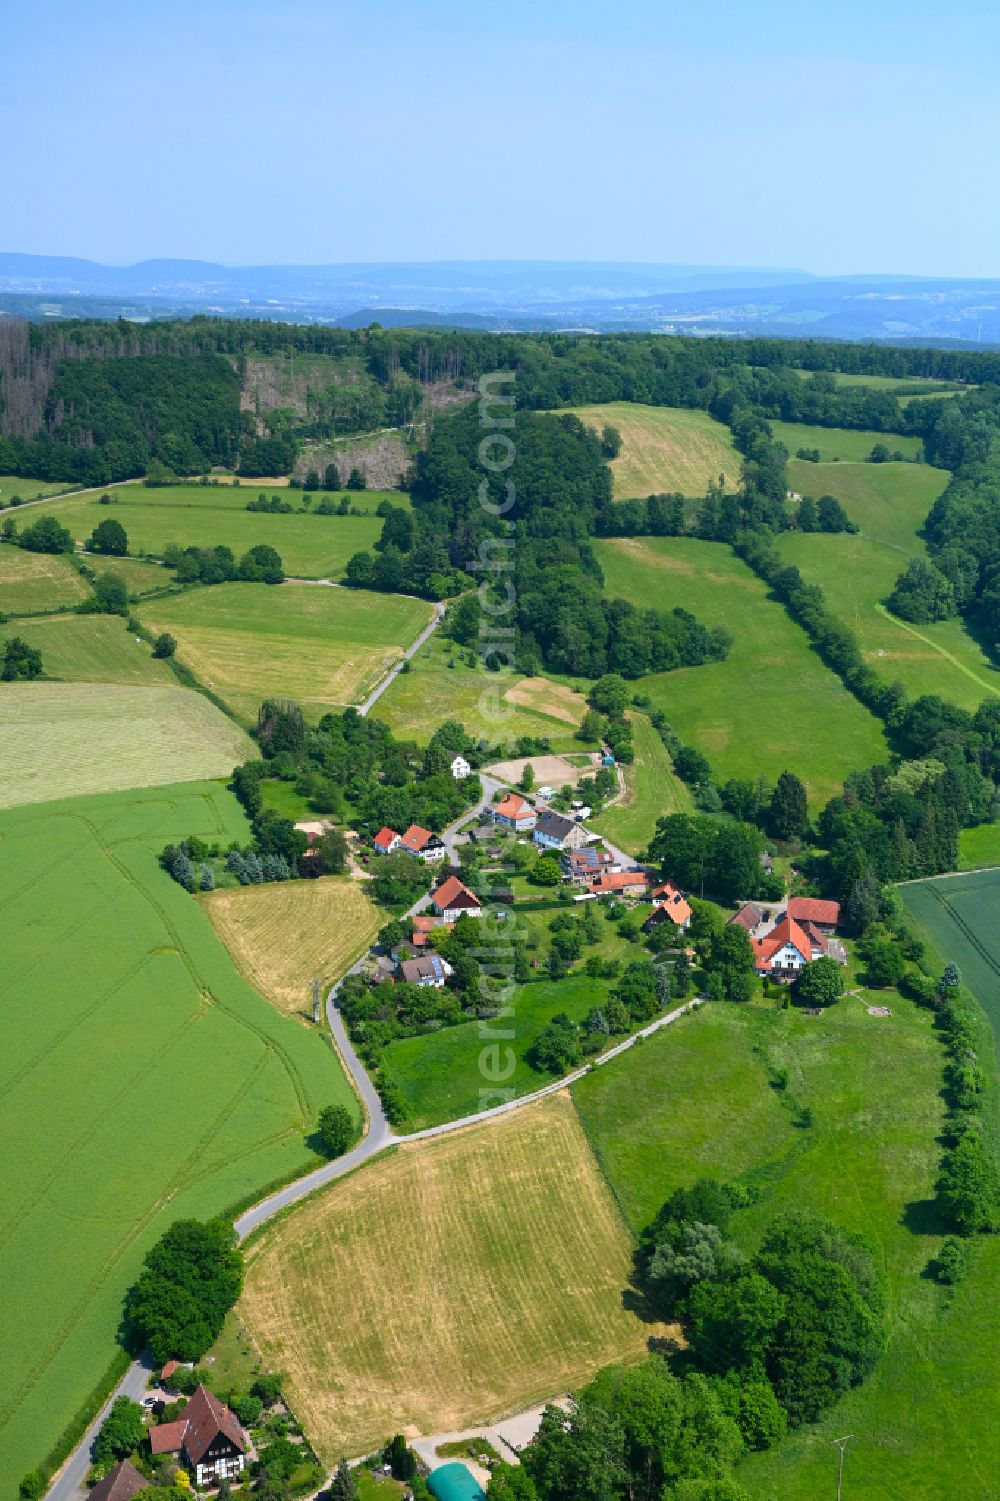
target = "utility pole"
x: 841, y: 1444
x: 316, y: 998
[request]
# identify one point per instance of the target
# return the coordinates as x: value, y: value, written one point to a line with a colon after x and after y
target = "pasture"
x: 700, y: 1099
x: 141, y: 1080
x: 62, y: 740
x: 771, y: 704
x: 664, y: 448
x: 839, y: 443
x: 32, y: 581
x: 90, y: 649
x: 651, y: 792
x: 979, y: 846
x: 447, y: 1283
x: 889, y: 502
x: 28, y: 489
x: 215, y: 515
x: 439, y: 1074
x: 491, y: 705
x: 322, y: 647
x: 140, y: 578
x: 283, y: 935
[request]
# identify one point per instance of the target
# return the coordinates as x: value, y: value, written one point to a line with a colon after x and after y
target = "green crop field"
x: 141, y: 1080
x: 889, y: 502
x: 214, y: 515
x: 651, y: 792
x: 491, y: 705
x: 772, y: 703
x: 89, y: 649
x: 321, y: 646
x: 696, y: 1100
x: 959, y: 916
x: 37, y: 581
x: 67, y: 739
x: 27, y: 489
x: 664, y: 448
x: 927, y: 384
x: 842, y: 442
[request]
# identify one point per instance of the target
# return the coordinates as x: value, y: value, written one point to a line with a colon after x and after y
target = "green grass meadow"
x: 213, y: 515
x: 28, y: 489
x: 772, y: 704
x: 142, y: 1080
x: 677, y: 449
x: 697, y: 1100
x: 31, y: 581
x: 651, y: 792
x: 320, y: 646
x: 889, y: 502
x: 417, y: 701
x: 90, y: 649
x: 838, y: 443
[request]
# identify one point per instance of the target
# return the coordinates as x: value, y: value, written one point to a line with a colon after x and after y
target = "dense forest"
x: 66, y: 414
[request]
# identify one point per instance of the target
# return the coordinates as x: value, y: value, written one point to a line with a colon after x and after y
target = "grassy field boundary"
x: 942, y: 651
x: 84, y: 1416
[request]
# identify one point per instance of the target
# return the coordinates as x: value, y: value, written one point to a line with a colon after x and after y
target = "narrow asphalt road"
x: 69, y: 1483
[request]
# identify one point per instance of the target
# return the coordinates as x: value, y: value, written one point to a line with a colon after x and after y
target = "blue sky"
x: 837, y: 137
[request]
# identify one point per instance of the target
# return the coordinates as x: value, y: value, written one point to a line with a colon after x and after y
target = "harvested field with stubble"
x: 282, y: 935
x: 453, y: 1281
x: 323, y: 647
x: 664, y: 448
x: 65, y: 739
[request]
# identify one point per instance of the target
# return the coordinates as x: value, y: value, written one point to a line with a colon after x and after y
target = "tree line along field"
x: 62, y: 740
x: 652, y: 790
x: 450, y: 1281
x: 141, y: 1080
x: 699, y: 1099
x: 491, y: 706
x: 664, y: 449
x: 772, y: 703
x: 215, y: 515
x: 282, y: 936
x: 321, y: 646
x: 889, y: 503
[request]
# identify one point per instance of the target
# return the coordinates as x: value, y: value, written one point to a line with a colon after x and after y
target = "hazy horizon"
x: 324, y: 132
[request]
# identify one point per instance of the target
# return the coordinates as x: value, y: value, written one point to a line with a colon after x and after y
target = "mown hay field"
x: 283, y: 935
x: 664, y: 448
x: 90, y: 649
x: 652, y: 790
x: 37, y: 581
x: 450, y: 1282
x: 772, y: 703
x: 141, y: 1080
x: 66, y: 739
x: 215, y: 515
x: 889, y: 502
x: 323, y: 647
x: 491, y: 705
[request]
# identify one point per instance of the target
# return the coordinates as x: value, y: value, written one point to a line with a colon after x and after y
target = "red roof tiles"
x: 811, y: 909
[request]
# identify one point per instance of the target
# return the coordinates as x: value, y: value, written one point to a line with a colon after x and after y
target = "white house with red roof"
x: 515, y: 812
x: 452, y: 899
x: 783, y: 951
x: 669, y: 902
x: 207, y: 1439
x: 386, y: 840
x: 422, y: 843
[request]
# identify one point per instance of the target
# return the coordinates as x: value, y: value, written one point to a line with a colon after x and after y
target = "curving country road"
x: 68, y: 1484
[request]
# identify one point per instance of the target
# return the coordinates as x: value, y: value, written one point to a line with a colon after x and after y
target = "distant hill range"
x: 499, y: 295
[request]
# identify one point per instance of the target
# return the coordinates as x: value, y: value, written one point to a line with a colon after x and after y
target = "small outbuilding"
x: 455, y: 1482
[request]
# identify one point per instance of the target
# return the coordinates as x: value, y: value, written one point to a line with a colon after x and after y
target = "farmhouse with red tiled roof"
x: 386, y: 840
x: 669, y: 901
x: 452, y: 898
x: 514, y: 812
x: 621, y: 883
x: 422, y: 843
x: 207, y: 1439
x: 825, y: 915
